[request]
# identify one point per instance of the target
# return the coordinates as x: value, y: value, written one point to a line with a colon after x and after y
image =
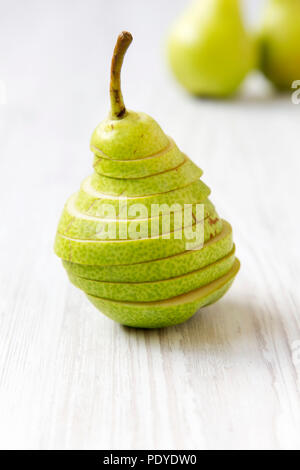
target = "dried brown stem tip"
x: 118, y: 109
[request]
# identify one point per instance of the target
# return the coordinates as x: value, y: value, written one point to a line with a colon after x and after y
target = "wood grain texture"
x: 70, y: 378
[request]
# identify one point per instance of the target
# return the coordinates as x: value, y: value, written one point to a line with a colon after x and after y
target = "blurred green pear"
x: 209, y: 49
x: 280, y: 42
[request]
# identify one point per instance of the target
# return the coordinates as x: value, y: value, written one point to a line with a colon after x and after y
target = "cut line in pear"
x: 135, y: 136
x: 91, y: 202
x: 98, y: 153
x: 159, y: 290
x: 136, y: 180
x: 74, y: 224
x: 164, y: 268
x: 168, y: 312
x: 104, y: 252
x: 184, y: 174
x: 142, y: 179
x: 168, y: 159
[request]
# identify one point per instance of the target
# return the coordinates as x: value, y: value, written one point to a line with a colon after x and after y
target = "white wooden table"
x: 70, y: 377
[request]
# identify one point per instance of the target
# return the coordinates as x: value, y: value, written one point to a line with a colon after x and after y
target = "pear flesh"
x: 216, y: 248
x: 168, y: 159
x: 93, y: 202
x: 209, y: 50
x: 153, y: 279
x: 123, y: 251
x: 159, y: 290
x: 77, y: 225
x: 166, y: 312
x: 182, y: 175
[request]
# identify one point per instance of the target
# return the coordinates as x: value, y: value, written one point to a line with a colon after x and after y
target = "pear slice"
x: 110, y: 252
x: 91, y: 202
x: 159, y: 290
x: 184, y: 174
x: 160, y: 269
x: 168, y: 159
x: 166, y: 312
x: 82, y: 226
x: 128, y: 137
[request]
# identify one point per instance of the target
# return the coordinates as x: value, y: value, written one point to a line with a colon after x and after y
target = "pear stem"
x: 118, y: 110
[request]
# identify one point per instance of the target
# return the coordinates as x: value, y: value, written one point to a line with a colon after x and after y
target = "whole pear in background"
x: 209, y: 49
x: 280, y: 42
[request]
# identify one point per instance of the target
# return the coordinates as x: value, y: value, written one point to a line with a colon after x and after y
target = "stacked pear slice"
x: 135, y: 262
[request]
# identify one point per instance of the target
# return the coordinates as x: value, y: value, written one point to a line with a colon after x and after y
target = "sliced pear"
x: 91, y: 202
x: 160, y: 269
x: 168, y: 159
x: 82, y: 226
x: 106, y: 252
x: 141, y: 177
x: 166, y: 312
x: 183, y: 175
x: 159, y: 290
x: 135, y: 137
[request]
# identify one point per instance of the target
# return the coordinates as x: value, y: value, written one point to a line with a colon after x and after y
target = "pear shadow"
x: 248, y: 99
x: 219, y: 326
x: 274, y: 97
x: 256, y: 91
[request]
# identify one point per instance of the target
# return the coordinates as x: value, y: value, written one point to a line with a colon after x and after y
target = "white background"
x: 69, y: 377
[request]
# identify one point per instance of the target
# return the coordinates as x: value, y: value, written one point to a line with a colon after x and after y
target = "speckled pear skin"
x: 91, y: 202
x: 111, y: 252
x: 183, y: 175
x: 279, y: 41
x: 77, y: 225
x: 153, y: 279
x: 159, y: 290
x: 167, y: 312
x: 168, y: 159
x: 188, y: 261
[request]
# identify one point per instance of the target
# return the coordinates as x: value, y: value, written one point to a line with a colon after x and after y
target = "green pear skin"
x: 280, y: 42
x: 106, y: 252
x: 183, y: 175
x: 74, y: 224
x: 209, y: 50
x: 167, y: 312
x: 92, y: 202
x: 213, y: 250
x: 152, y: 279
x: 168, y: 159
x: 159, y: 290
